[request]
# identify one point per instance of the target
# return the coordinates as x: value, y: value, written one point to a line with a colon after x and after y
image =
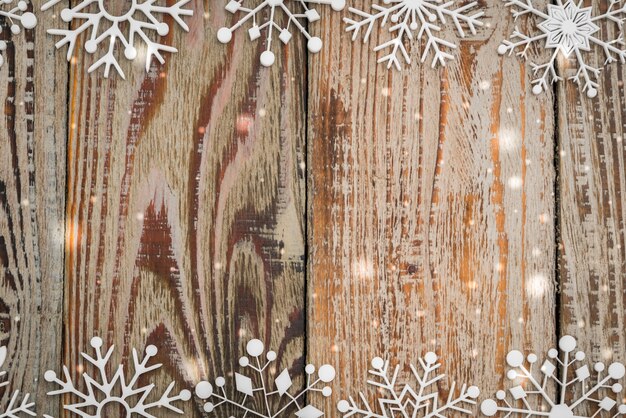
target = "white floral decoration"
x: 411, y: 20
x: 530, y: 397
x: 103, y: 393
x: 571, y: 31
x: 135, y: 24
x: 15, y: 408
x: 264, y: 15
x: 396, y: 399
x: 17, y: 17
x: 245, y: 386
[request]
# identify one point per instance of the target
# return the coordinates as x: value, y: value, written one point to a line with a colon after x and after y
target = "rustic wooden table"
x: 333, y: 208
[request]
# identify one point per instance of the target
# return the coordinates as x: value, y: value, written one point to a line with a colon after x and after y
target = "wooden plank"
x: 592, y: 211
x: 186, y: 204
x: 32, y: 209
x: 431, y: 200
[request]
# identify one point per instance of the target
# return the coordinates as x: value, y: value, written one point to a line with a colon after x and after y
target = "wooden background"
x: 330, y: 207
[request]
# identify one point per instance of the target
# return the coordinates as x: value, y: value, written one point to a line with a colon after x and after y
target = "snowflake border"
x: 15, y: 408
x: 267, y: 58
x: 136, y: 29
x: 425, y: 17
x: 521, y: 367
x: 19, y: 18
x: 244, y: 385
x: 547, y: 71
x: 105, y: 386
x: 402, y: 396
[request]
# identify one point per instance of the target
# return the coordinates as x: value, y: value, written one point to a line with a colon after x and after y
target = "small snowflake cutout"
x: 15, y: 408
x: 411, y: 20
x: 264, y: 18
x: 246, y: 403
x: 17, y: 17
x: 135, y: 23
x: 418, y: 399
x: 598, y: 390
x: 569, y: 30
x: 105, y: 395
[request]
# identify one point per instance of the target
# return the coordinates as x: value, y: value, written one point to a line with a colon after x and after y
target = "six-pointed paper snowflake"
x: 270, y: 22
x: 14, y: 409
x: 425, y: 17
x: 136, y: 23
x: 569, y: 30
x: 397, y: 399
x: 15, y: 16
x: 258, y: 401
x: 116, y: 395
x: 531, y: 396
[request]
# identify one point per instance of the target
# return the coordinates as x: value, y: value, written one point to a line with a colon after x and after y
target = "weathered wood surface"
x: 592, y: 210
x: 32, y: 184
x: 432, y: 208
x: 330, y: 207
x: 185, y: 205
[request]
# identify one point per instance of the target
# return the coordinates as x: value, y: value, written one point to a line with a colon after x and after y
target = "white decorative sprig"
x: 397, y: 399
x: 531, y: 396
x: 425, y: 17
x: 270, y: 22
x: 18, y: 18
x: 245, y: 386
x: 15, y: 408
x: 104, y: 393
x: 571, y: 31
x: 102, y: 24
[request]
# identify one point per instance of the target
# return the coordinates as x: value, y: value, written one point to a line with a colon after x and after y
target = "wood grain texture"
x: 431, y: 204
x: 185, y: 204
x: 32, y: 199
x: 592, y: 211
x: 330, y: 207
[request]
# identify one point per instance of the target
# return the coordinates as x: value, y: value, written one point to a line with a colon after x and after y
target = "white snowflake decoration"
x: 245, y: 386
x: 531, y: 397
x: 404, y: 400
x: 14, y: 409
x: 102, y: 24
x: 18, y: 18
x: 269, y: 22
x: 105, y: 394
x: 426, y: 17
x: 570, y: 30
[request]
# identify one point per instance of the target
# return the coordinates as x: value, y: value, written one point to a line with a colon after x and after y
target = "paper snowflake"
x: 531, y: 396
x: 257, y: 400
x: 106, y: 396
x: 405, y: 400
x: 17, y: 18
x: 270, y: 22
x: 138, y: 19
x: 14, y: 409
x: 425, y: 17
x: 569, y: 30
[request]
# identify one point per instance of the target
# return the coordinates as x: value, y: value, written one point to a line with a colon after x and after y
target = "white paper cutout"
x: 415, y: 19
x: 15, y: 408
x: 396, y: 399
x: 530, y: 397
x: 104, y: 393
x: 139, y: 20
x: 18, y: 18
x: 264, y: 17
x: 282, y: 383
x: 570, y: 30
